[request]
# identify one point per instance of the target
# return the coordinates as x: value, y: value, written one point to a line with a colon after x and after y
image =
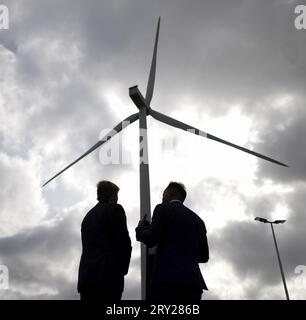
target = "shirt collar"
x: 175, y: 201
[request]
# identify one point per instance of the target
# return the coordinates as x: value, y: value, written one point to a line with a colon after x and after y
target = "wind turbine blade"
x: 132, y: 118
x: 178, y: 124
x: 150, y: 86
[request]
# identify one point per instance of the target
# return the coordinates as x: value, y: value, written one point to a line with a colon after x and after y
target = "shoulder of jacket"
x: 118, y: 207
x: 160, y: 207
x: 195, y: 215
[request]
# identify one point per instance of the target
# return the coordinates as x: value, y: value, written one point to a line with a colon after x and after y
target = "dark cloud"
x: 239, y: 50
x: 249, y: 245
x: 38, y: 259
x: 285, y: 136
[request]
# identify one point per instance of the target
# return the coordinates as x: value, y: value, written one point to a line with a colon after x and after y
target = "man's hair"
x: 177, y: 190
x: 106, y: 190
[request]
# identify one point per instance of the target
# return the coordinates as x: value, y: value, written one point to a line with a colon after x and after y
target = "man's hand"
x: 143, y: 222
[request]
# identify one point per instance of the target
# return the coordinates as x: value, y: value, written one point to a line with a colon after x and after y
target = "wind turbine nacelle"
x: 137, y: 98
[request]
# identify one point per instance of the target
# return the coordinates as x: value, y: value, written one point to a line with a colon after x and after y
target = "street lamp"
x: 276, y: 247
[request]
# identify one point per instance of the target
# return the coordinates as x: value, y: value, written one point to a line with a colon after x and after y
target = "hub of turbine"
x: 138, y: 98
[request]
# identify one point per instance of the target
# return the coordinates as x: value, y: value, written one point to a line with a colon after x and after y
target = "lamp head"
x: 279, y: 221
x: 261, y: 220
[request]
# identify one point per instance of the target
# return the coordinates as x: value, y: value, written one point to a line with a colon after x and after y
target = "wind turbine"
x: 144, y: 106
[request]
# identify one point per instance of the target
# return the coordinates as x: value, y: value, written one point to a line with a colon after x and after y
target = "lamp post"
x: 276, y: 247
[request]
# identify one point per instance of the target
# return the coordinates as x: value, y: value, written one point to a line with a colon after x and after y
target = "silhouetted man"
x: 106, y: 248
x: 180, y: 237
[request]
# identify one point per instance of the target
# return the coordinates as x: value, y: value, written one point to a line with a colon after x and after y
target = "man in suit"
x: 180, y: 237
x: 106, y: 248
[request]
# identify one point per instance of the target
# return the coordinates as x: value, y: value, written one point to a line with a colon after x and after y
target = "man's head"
x: 107, y: 192
x: 174, y: 191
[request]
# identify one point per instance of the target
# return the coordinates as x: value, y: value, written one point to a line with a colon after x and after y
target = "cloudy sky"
x: 235, y: 69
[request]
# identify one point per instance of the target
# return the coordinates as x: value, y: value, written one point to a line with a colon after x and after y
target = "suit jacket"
x: 106, y: 248
x: 180, y: 236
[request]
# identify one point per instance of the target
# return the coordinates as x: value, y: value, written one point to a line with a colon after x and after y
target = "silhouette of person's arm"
x: 203, y: 248
x: 122, y: 239
x: 151, y: 234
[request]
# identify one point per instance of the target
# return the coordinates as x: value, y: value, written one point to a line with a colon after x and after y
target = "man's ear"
x: 114, y: 198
